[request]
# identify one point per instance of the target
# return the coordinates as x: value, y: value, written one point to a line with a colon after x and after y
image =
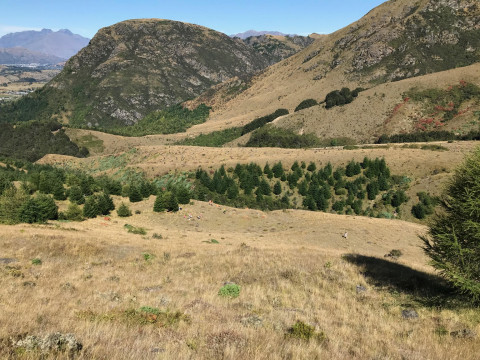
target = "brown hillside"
x: 381, y: 47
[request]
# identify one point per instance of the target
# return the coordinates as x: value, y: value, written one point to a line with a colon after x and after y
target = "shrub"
x: 135, y: 230
x: 453, y: 244
x: 305, y: 332
x: 36, y: 261
x: 258, y: 123
x: 91, y: 209
x: 39, y: 209
x: 418, y: 210
x: 230, y: 291
x: 160, y: 204
x: 75, y: 195
x: 123, y: 210
x: 271, y: 136
x: 74, y: 213
x: 183, y: 195
x: 135, y: 195
x: 306, y: 104
x: 340, y: 97
x: 105, y: 204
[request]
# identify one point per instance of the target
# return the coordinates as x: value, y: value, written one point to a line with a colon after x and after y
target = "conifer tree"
x: 160, y: 204
x: 277, y: 188
x: 278, y: 170
x: 75, y: 195
x: 91, y: 209
x: 453, y: 244
x: 134, y: 194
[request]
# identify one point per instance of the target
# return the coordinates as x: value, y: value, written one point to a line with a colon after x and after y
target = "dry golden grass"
x: 288, y: 263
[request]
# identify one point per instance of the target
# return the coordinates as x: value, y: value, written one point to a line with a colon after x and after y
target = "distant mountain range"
x: 22, y: 56
x: 44, y: 47
x: 250, y: 33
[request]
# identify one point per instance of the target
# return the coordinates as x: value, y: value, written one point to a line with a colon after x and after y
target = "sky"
x: 86, y: 17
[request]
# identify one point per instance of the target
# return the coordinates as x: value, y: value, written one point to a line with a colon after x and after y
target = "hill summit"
x: 135, y: 67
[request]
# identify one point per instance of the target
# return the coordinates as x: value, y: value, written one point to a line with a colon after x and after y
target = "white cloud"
x: 6, y: 29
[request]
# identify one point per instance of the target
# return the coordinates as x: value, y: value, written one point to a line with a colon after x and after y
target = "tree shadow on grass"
x: 428, y: 289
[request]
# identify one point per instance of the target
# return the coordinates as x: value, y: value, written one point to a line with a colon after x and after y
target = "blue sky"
x: 87, y: 16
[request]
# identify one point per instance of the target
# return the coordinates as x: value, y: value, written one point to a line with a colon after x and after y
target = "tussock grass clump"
x: 303, y: 331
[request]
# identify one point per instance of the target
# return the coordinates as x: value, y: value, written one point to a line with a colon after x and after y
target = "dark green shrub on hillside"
x: 91, y: 209
x: 399, y: 198
x: 425, y: 206
x: 183, y: 195
x: 453, y: 243
x: 419, y: 211
x: 258, y: 123
x: 134, y: 194
x: 340, y: 97
x: 74, y: 213
x: 277, y: 188
x: 372, y: 190
x: 160, y: 204
x: 271, y: 136
x: 105, y: 204
x: 75, y: 195
x: 278, y: 170
x: 305, y: 104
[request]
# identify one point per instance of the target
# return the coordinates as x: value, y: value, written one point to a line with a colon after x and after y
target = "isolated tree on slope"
x: 453, y: 243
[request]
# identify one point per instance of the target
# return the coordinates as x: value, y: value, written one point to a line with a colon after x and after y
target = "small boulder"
x: 252, y: 321
x: 361, y: 289
x: 409, y: 314
x: 7, y: 260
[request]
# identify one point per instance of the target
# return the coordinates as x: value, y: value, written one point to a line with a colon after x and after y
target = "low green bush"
x: 230, y: 291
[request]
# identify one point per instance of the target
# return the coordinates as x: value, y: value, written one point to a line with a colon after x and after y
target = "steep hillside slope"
x: 62, y: 43
x: 135, y: 67
x: 277, y: 48
x: 398, y: 39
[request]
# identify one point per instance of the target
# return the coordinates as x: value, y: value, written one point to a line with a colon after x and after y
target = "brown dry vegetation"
x: 288, y: 263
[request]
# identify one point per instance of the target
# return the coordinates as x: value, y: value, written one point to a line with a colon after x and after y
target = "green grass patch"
x: 135, y: 230
x: 229, y: 291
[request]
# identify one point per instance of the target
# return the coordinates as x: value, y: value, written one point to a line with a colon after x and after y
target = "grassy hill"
x: 368, y: 53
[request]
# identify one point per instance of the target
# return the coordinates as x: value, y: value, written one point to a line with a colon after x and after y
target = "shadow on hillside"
x: 427, y: 289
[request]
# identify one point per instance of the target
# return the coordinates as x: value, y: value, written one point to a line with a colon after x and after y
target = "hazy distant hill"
x: 276, y: 48
x: 249, y: 33
x: 62, y: 43
x: 18, y: 55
